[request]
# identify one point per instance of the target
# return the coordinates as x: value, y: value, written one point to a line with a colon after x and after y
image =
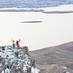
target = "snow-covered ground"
x: 54, y: 29
x: 59, y: 8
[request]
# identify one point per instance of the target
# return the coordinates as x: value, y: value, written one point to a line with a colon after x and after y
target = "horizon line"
x: 42, y: 11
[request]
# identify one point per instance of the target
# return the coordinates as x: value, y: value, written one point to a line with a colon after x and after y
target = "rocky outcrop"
x: 16, y: 60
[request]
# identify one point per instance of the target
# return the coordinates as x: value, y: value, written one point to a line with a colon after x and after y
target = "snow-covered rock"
x: 6, y: 71
x: 16, y: 60
x: 35, y: 70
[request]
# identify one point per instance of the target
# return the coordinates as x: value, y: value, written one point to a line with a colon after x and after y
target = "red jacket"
x: 17, y: 42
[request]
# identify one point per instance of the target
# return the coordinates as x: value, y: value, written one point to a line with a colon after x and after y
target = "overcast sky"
x: 53, y: 30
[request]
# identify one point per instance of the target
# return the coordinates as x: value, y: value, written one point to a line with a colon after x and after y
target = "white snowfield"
x: 35, y: 70
x: 16, y: 61
x: 6, y: 71
x: 59, y: 8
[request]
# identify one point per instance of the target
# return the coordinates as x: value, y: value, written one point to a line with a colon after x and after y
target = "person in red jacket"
x: 17, y: 43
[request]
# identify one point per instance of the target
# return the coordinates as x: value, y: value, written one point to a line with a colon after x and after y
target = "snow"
x: 59, y: 8
x: 35, y: 70
x: 13, y: 62
x: 6, y: 71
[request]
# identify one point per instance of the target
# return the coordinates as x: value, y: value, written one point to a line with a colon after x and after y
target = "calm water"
x: 32, y: 3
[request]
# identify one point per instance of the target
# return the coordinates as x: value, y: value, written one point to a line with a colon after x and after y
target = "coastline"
x: 58, y: 9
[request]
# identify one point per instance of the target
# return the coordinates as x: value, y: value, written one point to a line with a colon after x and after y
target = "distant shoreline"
x: 48, y: 10
x: 42, y: 11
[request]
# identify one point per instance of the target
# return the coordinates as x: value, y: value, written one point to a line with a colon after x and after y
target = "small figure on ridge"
x: 17, y: 43
x: 13, y: 43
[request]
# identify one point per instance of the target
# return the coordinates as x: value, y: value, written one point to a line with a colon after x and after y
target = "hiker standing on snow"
x: 17, y: 43
x: 13, y: 43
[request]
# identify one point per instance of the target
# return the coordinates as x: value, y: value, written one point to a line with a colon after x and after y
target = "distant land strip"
x: 41, y: 10
x: 31, y: 22
x: 21, y: 10
x: 57, y: 12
